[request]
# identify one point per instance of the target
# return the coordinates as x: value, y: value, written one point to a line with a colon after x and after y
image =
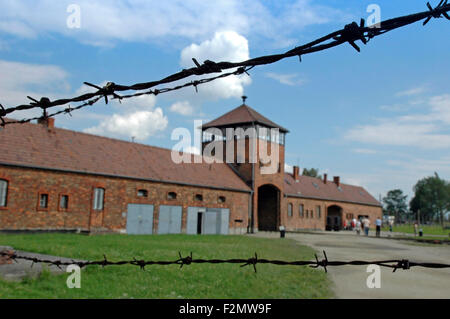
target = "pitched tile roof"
x: 311, y: 187
x: 34, y: 145
x: 243, y: 114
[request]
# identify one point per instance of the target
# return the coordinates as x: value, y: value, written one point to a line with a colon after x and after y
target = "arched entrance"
x: 268, y: 208
x: 334, y: 218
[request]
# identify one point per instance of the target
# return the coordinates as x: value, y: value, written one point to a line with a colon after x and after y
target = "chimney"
x: 48, y: 122
x: 325, y: 178
x: 296, y: 172
x: 337, y: 180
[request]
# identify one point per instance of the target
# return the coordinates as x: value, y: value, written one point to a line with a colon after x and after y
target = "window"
x: 3, y: 192
x: 222, y: 199
x: 142, y: 193
x: 64, y: 201
x: 171, y: 195
x: 312, y: 213
x: 301, y: 210
x: 43, y: 200
x: 318, y: 211
x: 290, y: 210
x: 307, y: 213
x: 199, y: 197
x: 99, y: 195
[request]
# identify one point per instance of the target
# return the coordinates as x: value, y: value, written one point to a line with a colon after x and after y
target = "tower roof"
x: 243, y: 114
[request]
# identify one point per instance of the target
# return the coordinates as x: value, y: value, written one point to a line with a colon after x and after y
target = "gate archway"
x: 334, y: 218
x: 268, y: 208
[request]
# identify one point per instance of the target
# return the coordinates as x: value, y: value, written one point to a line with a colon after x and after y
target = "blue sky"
x: 379, y: 119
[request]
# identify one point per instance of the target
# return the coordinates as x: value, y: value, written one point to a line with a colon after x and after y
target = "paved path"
x: 16, y: 271
x: 350, y: 281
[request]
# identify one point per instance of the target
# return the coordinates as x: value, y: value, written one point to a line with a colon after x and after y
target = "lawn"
x: 193, y: 281
x: 427, y: 229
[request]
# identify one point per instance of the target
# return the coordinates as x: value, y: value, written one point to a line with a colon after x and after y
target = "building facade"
x: 56, y: 179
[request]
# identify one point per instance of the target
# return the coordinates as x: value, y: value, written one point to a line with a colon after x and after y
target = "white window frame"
x: 41, y: 198
x: 3, y: 192
x: 99, y: 198
x: 66, y: 201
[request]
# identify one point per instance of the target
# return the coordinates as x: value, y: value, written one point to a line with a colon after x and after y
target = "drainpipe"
x: 252, y: 219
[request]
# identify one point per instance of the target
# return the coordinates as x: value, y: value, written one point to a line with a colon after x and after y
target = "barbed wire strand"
x: 350, y: 34
x: 394, y: 264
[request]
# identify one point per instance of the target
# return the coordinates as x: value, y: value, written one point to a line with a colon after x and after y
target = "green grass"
x: 427, y: 229
x: 193, y: 281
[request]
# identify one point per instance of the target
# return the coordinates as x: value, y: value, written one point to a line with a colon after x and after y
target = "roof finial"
x: 243, y: 99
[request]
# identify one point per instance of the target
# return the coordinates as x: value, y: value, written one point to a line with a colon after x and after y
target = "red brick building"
x: 56, y: 179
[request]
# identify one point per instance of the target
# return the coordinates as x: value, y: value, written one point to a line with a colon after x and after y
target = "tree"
x: 395, y: 203
x: 432, y: 197
x: 312, y: 172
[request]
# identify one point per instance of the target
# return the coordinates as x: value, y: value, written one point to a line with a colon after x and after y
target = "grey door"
x: 224, y: 221
x: 169, y: 221
x: 208, y: 221
x: 211, y: 222
x: 192, y: 220
x: 140, y: 219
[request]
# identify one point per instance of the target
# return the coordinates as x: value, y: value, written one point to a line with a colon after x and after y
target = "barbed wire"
x: 350, y: 34
x: 394, y: 264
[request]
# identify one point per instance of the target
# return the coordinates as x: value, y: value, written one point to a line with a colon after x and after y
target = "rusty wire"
x: 351, y: 33
x: 252, y: 261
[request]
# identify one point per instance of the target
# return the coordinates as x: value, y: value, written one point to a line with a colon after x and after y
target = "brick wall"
x: 25, y: 185
x: 298, y: 223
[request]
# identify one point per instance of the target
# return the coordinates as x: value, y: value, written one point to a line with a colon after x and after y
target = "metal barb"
x: 351, y: 33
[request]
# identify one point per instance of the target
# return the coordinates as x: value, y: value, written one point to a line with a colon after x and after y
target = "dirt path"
x: 350, y: 281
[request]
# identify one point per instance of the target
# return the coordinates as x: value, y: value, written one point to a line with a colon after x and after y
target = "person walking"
x: 366, y: 223
x: 358, y: 227
x: 378, y: 224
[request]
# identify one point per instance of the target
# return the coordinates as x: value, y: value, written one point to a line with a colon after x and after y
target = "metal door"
x: 224, y: 221
x: 192, y: 219
x: 140, y: 219
x: 211, y: 222
x: 169, y: 221
x: 214, y: 221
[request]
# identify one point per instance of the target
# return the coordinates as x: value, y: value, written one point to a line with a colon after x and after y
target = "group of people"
x: 364, y: 225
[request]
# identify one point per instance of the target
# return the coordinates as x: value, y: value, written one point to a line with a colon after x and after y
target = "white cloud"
x: 364, y: 151
x: 138, y: 20
x: 19, y: 80
x: 427, y: 130
x: 288, y: 168
x: 140, y: 125
x: 224, y: 46
x: 287, y: 79
x: 183, y: 108
x: 413, y: 91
